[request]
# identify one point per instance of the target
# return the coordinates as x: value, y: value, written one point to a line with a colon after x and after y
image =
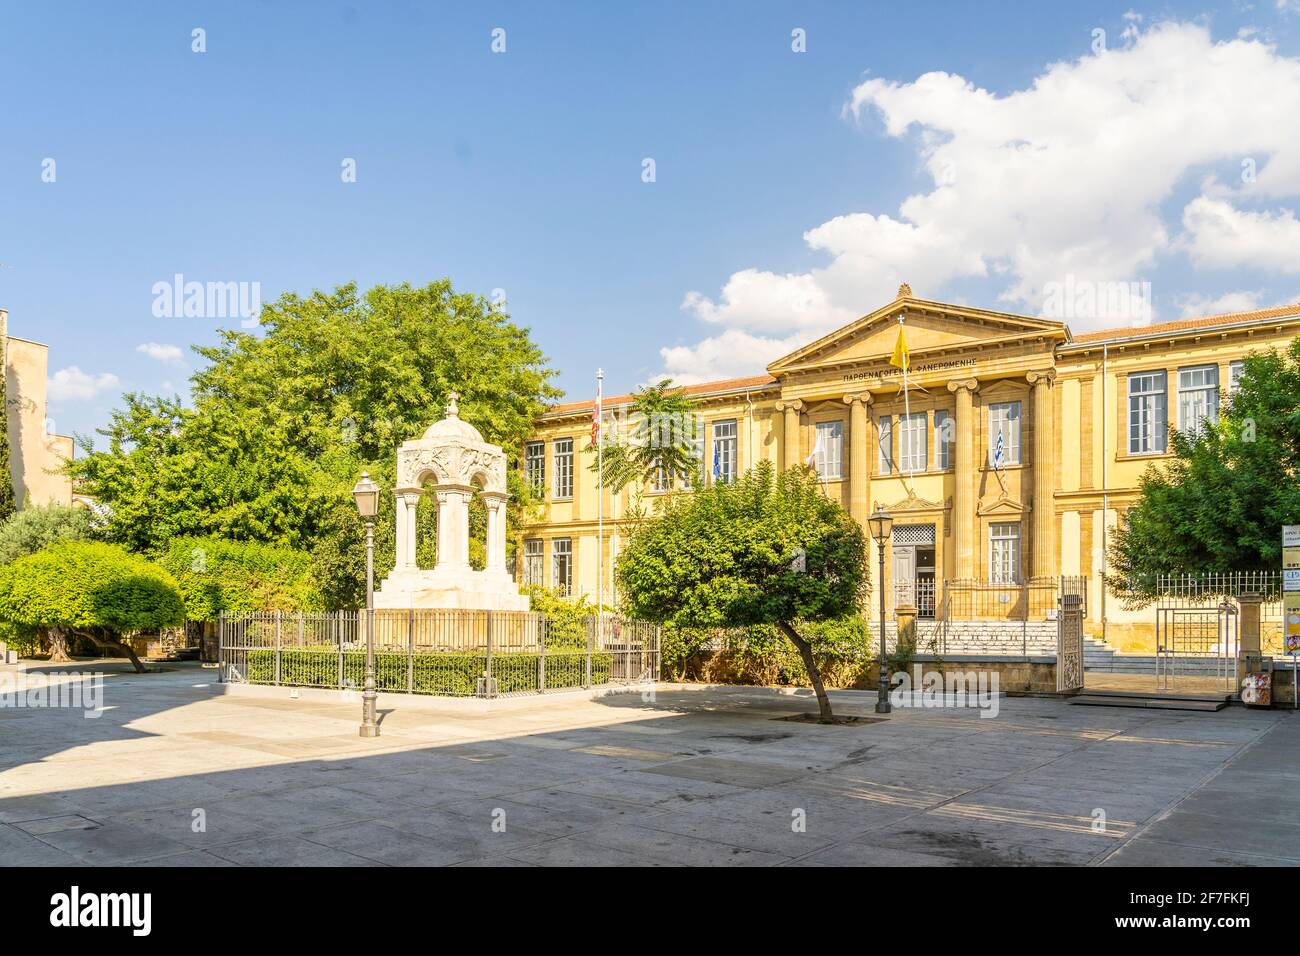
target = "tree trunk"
x: 814, y: 675
x: 57, y: 638
x: 121, y: 646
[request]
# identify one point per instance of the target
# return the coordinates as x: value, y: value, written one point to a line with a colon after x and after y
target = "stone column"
x: 410, y: 532
x: 401, y: 536
x: 496, y: 532
x: 453, y: 528
x: 859, y: 457
x: 790, y: 439
x: 1043, y: 565
x: 963, y: 516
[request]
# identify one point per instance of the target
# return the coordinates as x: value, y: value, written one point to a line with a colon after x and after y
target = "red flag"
x: 595, y: 422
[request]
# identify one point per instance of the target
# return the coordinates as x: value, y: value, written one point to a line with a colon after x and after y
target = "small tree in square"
x: 94, y: 591
x: 770, y: 548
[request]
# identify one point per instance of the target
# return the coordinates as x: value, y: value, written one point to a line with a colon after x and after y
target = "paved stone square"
x: 695, y: 776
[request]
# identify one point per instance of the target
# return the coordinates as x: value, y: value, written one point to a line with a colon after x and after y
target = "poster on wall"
x: 1291, y: 622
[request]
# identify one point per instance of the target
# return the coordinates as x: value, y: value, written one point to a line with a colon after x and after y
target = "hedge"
x: 444, y: 674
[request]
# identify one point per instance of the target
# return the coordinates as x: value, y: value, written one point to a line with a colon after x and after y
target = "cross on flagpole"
x: 598, y: 435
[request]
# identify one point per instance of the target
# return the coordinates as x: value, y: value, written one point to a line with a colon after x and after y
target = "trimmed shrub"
x: 216, y: 575
x: 443, y: 674
x: 91, y: 590
x: 760, y: 654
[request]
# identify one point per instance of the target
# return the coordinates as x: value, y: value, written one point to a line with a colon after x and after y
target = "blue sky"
x: 522, y: 170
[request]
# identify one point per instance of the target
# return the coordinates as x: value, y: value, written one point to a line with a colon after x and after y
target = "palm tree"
x: 664, y: 443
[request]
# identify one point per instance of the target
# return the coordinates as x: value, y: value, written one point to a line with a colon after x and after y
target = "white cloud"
x: 1221, y: 236
x: 1243, y: 300
x: 1068, y: 178
x: 732, y: 354
x: 163, y: 353
x: 73, y: 383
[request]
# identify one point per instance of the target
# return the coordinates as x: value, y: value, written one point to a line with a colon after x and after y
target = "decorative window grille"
x: 919, y: 534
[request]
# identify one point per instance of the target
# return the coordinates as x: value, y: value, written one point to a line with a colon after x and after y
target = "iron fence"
x: 1037, y: 599
x: 453, y: 653
x: 1183, y: 598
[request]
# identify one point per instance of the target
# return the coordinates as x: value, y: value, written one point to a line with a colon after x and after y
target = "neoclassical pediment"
x: 932, y: 329
x: 1003, y: 506
x: 913, y: 503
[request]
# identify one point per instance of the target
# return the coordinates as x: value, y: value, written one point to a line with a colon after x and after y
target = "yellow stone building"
x: 1078, y: 418
x: 35, y: 455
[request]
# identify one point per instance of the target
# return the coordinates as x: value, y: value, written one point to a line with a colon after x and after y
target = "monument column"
x: 496, y: 532
x: 963, y: 517
x: 790, y: 439
x: 410, y: 534
x: 399, y: 500
x: 859, y: 457
x: 1044, y: 506
x: 453, y: 529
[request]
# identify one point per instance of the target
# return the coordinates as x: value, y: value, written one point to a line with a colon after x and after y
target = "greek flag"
x: 997, y: 453
x: 717, y: 460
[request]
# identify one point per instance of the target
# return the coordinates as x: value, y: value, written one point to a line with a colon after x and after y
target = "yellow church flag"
x: 899, y: 359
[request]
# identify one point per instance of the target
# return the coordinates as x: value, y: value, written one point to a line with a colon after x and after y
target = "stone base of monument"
x: 462, y: 588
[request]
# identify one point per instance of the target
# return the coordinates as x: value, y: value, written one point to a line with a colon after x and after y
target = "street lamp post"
x: 881, y: 524
x: 366, y: 496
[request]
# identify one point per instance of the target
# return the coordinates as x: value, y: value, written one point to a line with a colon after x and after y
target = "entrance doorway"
x: 914, y: 567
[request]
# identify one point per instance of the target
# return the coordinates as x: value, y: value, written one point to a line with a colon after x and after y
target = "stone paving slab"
x: 706, y: 776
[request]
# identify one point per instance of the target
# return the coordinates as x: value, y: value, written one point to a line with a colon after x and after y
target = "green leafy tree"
x: 281, y: 424
x: 215, y: 575
x: 1220, y: 503
x: 770, y: 548
x: 90, y: 590
x: 8, y: 499
x: 662, y: 437
x: 37, y: 527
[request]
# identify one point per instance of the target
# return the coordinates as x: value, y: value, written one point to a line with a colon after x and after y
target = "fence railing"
x: 1195, y: 589
x: 454, y: 653
x: 1037, y: 599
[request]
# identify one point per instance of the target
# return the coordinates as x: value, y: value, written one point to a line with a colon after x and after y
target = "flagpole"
x: 600, y: 495
x: 907, y: 403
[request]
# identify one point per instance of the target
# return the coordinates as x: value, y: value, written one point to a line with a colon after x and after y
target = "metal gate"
x: 1197, y: 646
x: 1069, y: 644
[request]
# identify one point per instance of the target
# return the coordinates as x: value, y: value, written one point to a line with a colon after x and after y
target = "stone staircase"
x: 980, y: 638
x: 1097, y: 656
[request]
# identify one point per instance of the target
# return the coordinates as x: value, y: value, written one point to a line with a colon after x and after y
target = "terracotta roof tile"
x: 703, y: 390
x: 1182, y: 325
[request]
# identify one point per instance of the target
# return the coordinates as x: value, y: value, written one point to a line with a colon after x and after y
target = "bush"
x: 36, y: 528
x: 444, y: 674
x: 95, y: 591
x: 566, y: 617
x: 216, y: 575
x: 760, y: 654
